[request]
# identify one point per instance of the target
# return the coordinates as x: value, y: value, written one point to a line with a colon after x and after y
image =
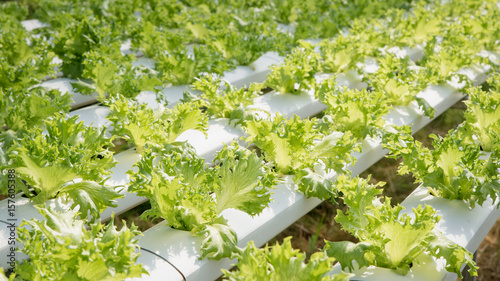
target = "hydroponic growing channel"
x: 171, y: 95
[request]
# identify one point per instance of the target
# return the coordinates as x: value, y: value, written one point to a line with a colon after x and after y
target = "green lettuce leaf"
x: 359, y: 111
x: 221, y: 102
x: 285, y: 142
x: 67, y: 160
x: 454, y: 254
x: 244, y: 181
x: 388, y: 238
x: 296, y: 74
x: 397, y: 78
x: 191, y: 196
x: 296, y: 146
x: 24, y: 59
x: 220, y: 241
x: 340, y: 54
x: 483, y: 114
x: 346, y: 252
x: 113, y: 74
x: 61, y: 248
x: 281, y: 262
x: 91, y: 197
x: 143, y: 126
x: 452, y: 170
x: 29, y: 109
x: 312, y: 183
x: 458, y: 49
x: 180, y: 68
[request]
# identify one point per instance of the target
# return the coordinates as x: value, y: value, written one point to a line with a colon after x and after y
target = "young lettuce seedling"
x: 142, y: 126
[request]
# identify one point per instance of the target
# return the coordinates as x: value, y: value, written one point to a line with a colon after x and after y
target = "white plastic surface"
x: 32, y: 24
x: 64, y: 85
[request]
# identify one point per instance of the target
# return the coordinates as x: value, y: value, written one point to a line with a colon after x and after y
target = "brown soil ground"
x: 488, y: 255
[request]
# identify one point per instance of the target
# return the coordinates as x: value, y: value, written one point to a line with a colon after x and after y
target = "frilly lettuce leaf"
x: 68, y: 160
x: 221, y: 102
x: 191, y: 196
x: 296, y: 74
x: 21, y: 112
x: 454, y: 254
x: 91, y: 197
x: 112, y: 75
x: 314, y: 184
x: 358, y: 195
x: 24, y: 59
x: 483, y: 114
x: 359, y: 111
x: 281, y: 262
x: 397, y: 78
x: 457, y: 50
x: 219, y: 241
x: 183, y: 117
x: 145, y: 126
x: 346, y: 252
x: 183, y: 205
x: 387, y: 237
x: 180, y: 68
x: 77, y: 38
x: 296, y: 146
x: 243, y: 181
x: 452, y: 170
x: 100, y: 253
x: 285, y: 142
x: 340, y: 54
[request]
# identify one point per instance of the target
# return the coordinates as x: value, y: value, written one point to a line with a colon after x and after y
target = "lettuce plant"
x: 191, y: 196
x: 67, y: 160
x: 281, y: 262
x: 296, y: 74
x: 141, y: 125
x: 61, y: 248
x: 387, y: 237
x: 482, y: 117
x: 452, y: 170
x: 222, y: 102
x: 359, y: 112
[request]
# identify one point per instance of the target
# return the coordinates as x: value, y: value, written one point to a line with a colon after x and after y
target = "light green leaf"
x: 313, y: 184
x: 95, y: 270
x: 281, y: 262
x: 241, y: 181
x: 345, y: 252
x: 454, y: 254
x: 93, y: 198
x: 47, y: 181
x: 219, y: 241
